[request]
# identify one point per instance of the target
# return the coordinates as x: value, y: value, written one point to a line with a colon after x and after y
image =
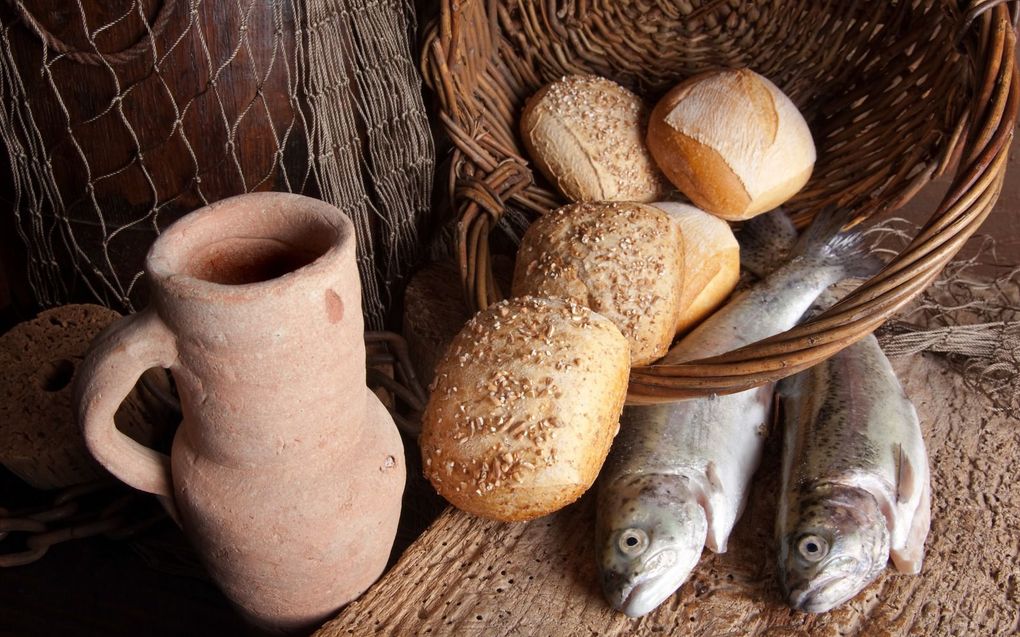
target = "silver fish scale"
x: 849, y: 422
x: 713, y: 444
x: 774, y: 305
x: 716, y: 442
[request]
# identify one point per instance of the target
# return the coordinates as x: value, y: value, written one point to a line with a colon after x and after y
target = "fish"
x: 856, y: 486
x: 677, y: 475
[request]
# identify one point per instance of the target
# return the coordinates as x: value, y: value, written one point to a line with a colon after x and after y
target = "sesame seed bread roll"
x: 523, y: 408
x: 586, y: 134
x: 711, y: 262
x: 732, y: 142
x: 622, y: 260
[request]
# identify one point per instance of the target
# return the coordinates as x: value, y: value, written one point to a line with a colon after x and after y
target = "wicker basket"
x: 896, y: 93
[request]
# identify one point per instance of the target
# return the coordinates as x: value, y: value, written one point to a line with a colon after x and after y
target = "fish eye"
x: 812, y: 547
x: 633, y: 542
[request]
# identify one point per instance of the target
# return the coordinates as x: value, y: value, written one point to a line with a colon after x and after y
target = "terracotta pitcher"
x: 286, y: 472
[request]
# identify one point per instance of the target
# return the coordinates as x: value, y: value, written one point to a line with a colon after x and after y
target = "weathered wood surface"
x: 467, y: 576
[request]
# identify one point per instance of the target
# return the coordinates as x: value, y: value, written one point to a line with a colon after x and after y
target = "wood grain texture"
x: 468, y: 576
x: 135, y: 146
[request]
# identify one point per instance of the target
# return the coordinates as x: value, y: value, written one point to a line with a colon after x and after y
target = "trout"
x: 678, y: 474
x: 856, y: 486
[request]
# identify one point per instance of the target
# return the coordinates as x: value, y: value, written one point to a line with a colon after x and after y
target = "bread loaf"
x: 732, y: 142
x: 586, y: 135
x: 622, y: 260
x: 523, y: 409
x: 711, y: 262
x: 435, y: 311
x: 39, y: 439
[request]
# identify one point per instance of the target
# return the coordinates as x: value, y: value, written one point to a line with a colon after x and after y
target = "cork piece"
x: 39, y: 438
x: 467, y: 576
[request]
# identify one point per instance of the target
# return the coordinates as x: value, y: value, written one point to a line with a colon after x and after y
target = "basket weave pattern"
x: 896, y: 94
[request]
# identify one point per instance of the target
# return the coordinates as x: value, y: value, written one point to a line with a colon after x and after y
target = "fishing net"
x: 120, y: 117
x: 970, y: 315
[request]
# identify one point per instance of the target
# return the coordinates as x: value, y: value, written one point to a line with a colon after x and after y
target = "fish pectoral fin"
x: 909, y: 557
x: 907, y: 476
x: 717, y: 534
x: 715, y: 505
x: 720, y: 524
x: 714, y: 481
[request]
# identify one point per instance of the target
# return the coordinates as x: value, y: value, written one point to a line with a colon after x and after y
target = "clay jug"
x: 286, y: 472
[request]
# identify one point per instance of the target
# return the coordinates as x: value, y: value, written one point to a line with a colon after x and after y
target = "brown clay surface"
x: 467, y: 576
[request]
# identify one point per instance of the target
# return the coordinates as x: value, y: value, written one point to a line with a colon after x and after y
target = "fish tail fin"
x: 826, y: 244
x: 766, y: 242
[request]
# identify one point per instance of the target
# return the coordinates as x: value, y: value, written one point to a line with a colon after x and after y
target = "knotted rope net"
x: 119, y: 117
x: 970, y: 316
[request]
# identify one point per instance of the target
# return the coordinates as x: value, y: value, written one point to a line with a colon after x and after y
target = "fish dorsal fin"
x: 906, y: 476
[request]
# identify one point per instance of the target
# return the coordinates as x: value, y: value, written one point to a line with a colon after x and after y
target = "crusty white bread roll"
x: 523, y: 408
x: 587, y: 136
x: 711, y: 261
x: 622, y: 260
x: 732, y: 142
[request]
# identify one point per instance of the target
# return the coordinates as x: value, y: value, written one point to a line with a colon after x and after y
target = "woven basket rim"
x: 483, y: 185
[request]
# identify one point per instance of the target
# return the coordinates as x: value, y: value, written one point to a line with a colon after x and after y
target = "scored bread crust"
x: 732, y: 142
x: 622, y: 260
x: 524, y: 407
x: 586, y: 134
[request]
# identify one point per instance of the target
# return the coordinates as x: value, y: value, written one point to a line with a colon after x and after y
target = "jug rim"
x: 176, y: 257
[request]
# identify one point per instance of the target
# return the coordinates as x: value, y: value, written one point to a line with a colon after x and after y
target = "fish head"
x: 649, y: 536
x: 838, y: 544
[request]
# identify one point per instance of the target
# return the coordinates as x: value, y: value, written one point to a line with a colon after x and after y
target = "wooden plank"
x: 468, y: 576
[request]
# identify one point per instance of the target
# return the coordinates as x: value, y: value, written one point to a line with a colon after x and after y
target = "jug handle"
x: 116, y: 360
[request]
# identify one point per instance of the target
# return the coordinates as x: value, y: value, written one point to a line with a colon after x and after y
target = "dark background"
x: 152, y: 585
